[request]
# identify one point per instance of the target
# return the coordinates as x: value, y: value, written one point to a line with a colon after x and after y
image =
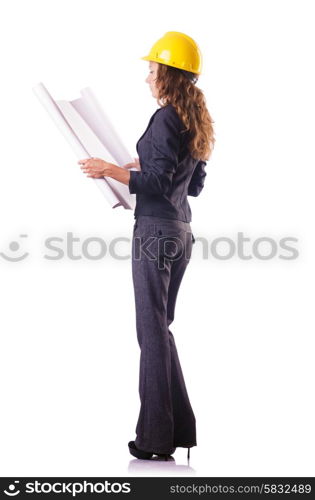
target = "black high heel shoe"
x: 166, y: 455
x: 146, y: 455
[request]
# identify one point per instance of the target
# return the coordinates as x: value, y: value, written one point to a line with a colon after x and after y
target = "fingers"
x: 90, y: 160
x: 85, y: 165
x: 92, y: 166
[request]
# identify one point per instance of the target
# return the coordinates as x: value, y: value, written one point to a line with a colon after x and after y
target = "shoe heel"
x: 188, y: 454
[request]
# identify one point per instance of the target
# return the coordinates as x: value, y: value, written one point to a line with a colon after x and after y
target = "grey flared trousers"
x: 161, y: 250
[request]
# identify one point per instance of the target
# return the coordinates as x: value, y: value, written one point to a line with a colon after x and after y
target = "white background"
x: 244, y: 328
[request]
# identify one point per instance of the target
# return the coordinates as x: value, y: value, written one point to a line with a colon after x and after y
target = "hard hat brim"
x: 160, y: 61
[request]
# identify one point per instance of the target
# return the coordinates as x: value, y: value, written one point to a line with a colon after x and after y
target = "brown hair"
x: 176, y: 87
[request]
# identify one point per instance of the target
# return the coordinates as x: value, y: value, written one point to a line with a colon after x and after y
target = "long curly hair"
x: 178, y: 87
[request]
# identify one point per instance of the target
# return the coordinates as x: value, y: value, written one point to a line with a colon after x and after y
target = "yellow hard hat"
x: 177, y: 50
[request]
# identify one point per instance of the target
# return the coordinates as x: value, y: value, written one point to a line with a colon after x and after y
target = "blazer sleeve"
x: 157, y: 177
x: 198, y: 179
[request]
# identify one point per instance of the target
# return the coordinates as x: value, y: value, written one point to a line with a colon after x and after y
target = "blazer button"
x: 159, y: 232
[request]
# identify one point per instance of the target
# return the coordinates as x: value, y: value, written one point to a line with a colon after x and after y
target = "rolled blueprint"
x: 89, y: 132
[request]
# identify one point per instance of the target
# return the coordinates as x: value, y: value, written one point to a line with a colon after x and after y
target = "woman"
x: 172, y: 156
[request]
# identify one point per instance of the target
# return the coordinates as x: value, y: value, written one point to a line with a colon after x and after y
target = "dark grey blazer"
x: 168, y: 172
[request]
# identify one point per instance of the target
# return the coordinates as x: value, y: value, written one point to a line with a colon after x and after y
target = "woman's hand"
x: 135, y: 164
x: 97, y: 167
